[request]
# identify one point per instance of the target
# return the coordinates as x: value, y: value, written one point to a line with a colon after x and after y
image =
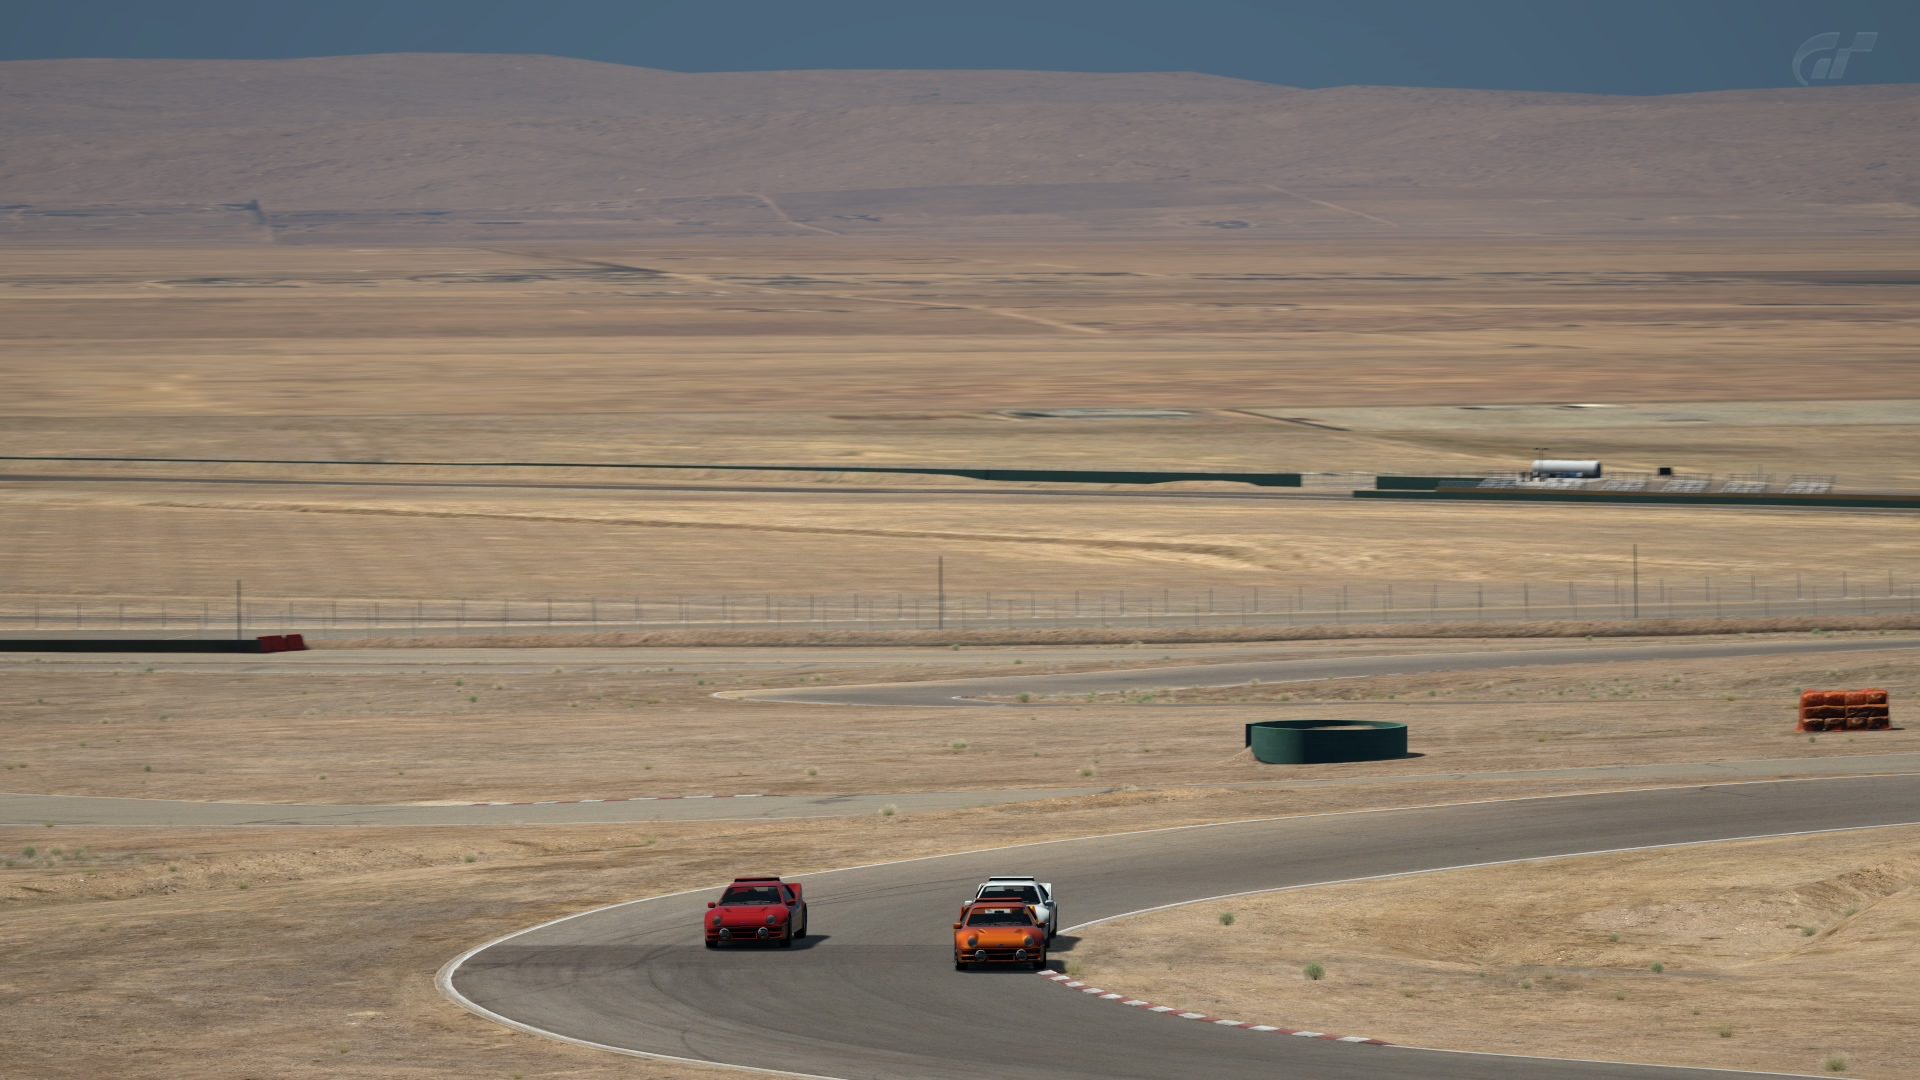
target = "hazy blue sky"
x: 1603, y: 46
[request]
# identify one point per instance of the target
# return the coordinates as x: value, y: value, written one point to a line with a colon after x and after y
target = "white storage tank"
x: 1558, y: 468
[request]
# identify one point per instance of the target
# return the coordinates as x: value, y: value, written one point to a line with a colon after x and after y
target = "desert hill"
x: 453, y: 132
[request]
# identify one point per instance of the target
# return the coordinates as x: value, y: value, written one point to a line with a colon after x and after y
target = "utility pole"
x: 238, y: 618
x: 940, y: 579
x: 1636, y: 581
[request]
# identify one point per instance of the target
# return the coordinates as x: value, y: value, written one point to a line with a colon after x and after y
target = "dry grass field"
x: 632, y: 267
x: 868, y: 353
x: 306, y: 953
x: 188, y: 542
x: 405, y: 732
x: 353, y: 335
x: 1788, y: 955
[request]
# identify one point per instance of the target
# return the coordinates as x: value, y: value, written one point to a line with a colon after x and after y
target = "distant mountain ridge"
x: 425, y: 131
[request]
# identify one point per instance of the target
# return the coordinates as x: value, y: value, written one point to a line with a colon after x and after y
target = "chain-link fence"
x: 1279, y: 604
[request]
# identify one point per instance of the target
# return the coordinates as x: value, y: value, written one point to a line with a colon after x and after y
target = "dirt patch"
x: 1791, y: 955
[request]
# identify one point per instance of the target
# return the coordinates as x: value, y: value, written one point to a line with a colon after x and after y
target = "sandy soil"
x: 310, y: 953
x: 1791, y: 955
x: 375, y: 735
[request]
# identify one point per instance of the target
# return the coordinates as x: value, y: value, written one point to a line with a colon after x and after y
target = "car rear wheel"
x: 959, y: 965
x: 1040, y: 964
x: 802, y: 932
x: 712, y: 944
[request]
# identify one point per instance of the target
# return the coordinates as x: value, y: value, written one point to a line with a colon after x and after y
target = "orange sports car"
x: 999, y: 932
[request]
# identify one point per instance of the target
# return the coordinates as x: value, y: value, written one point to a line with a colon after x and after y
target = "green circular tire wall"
x: 1316, y: 742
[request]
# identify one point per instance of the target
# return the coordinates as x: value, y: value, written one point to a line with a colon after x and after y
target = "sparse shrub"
x: 146, y: 768
x: 959, y: 745
x: 1726, y: 1031
x: 1314, y: 972
x: 1086, y: 771
x: 813, y: 772
x: 471, y: 698
x: 1806, y: 931
x: 1836, y: 1063
x: 888, y: 810
x: 1226, y: 918
x: 472, y: 858
x: 29, y: 851
x: 1024, y: 698
x: 1526, y: 984
x: 1614, y: 938
x: 1659, y: 968
x: 1619, y: 995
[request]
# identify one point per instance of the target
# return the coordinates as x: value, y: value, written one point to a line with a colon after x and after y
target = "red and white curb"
x: 1168, y: 1010
x: 623, y: 798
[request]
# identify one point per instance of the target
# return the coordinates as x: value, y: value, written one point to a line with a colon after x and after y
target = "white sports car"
x: 1036, y: 894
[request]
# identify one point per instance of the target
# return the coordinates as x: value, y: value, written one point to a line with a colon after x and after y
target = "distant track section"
x: 1032, y: 476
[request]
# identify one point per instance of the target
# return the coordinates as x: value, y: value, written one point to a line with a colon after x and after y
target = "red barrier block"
x: 273, y: 643
x: 296, y: 643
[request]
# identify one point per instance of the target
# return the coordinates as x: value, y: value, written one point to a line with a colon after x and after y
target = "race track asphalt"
x: 872, y: 993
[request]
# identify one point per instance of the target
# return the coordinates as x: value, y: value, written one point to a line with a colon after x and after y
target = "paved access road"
x: 873, y: 992
x: 962, y: 692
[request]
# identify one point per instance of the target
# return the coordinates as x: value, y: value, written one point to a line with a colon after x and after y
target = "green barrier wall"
x: 1864, y: 500
x: 1318, y: 742
x: 1419, y: 483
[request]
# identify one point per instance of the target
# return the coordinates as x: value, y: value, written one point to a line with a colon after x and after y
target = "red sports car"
x: 756, y: 909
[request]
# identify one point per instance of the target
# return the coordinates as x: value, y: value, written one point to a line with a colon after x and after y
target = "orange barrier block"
x: 1845, y: 710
